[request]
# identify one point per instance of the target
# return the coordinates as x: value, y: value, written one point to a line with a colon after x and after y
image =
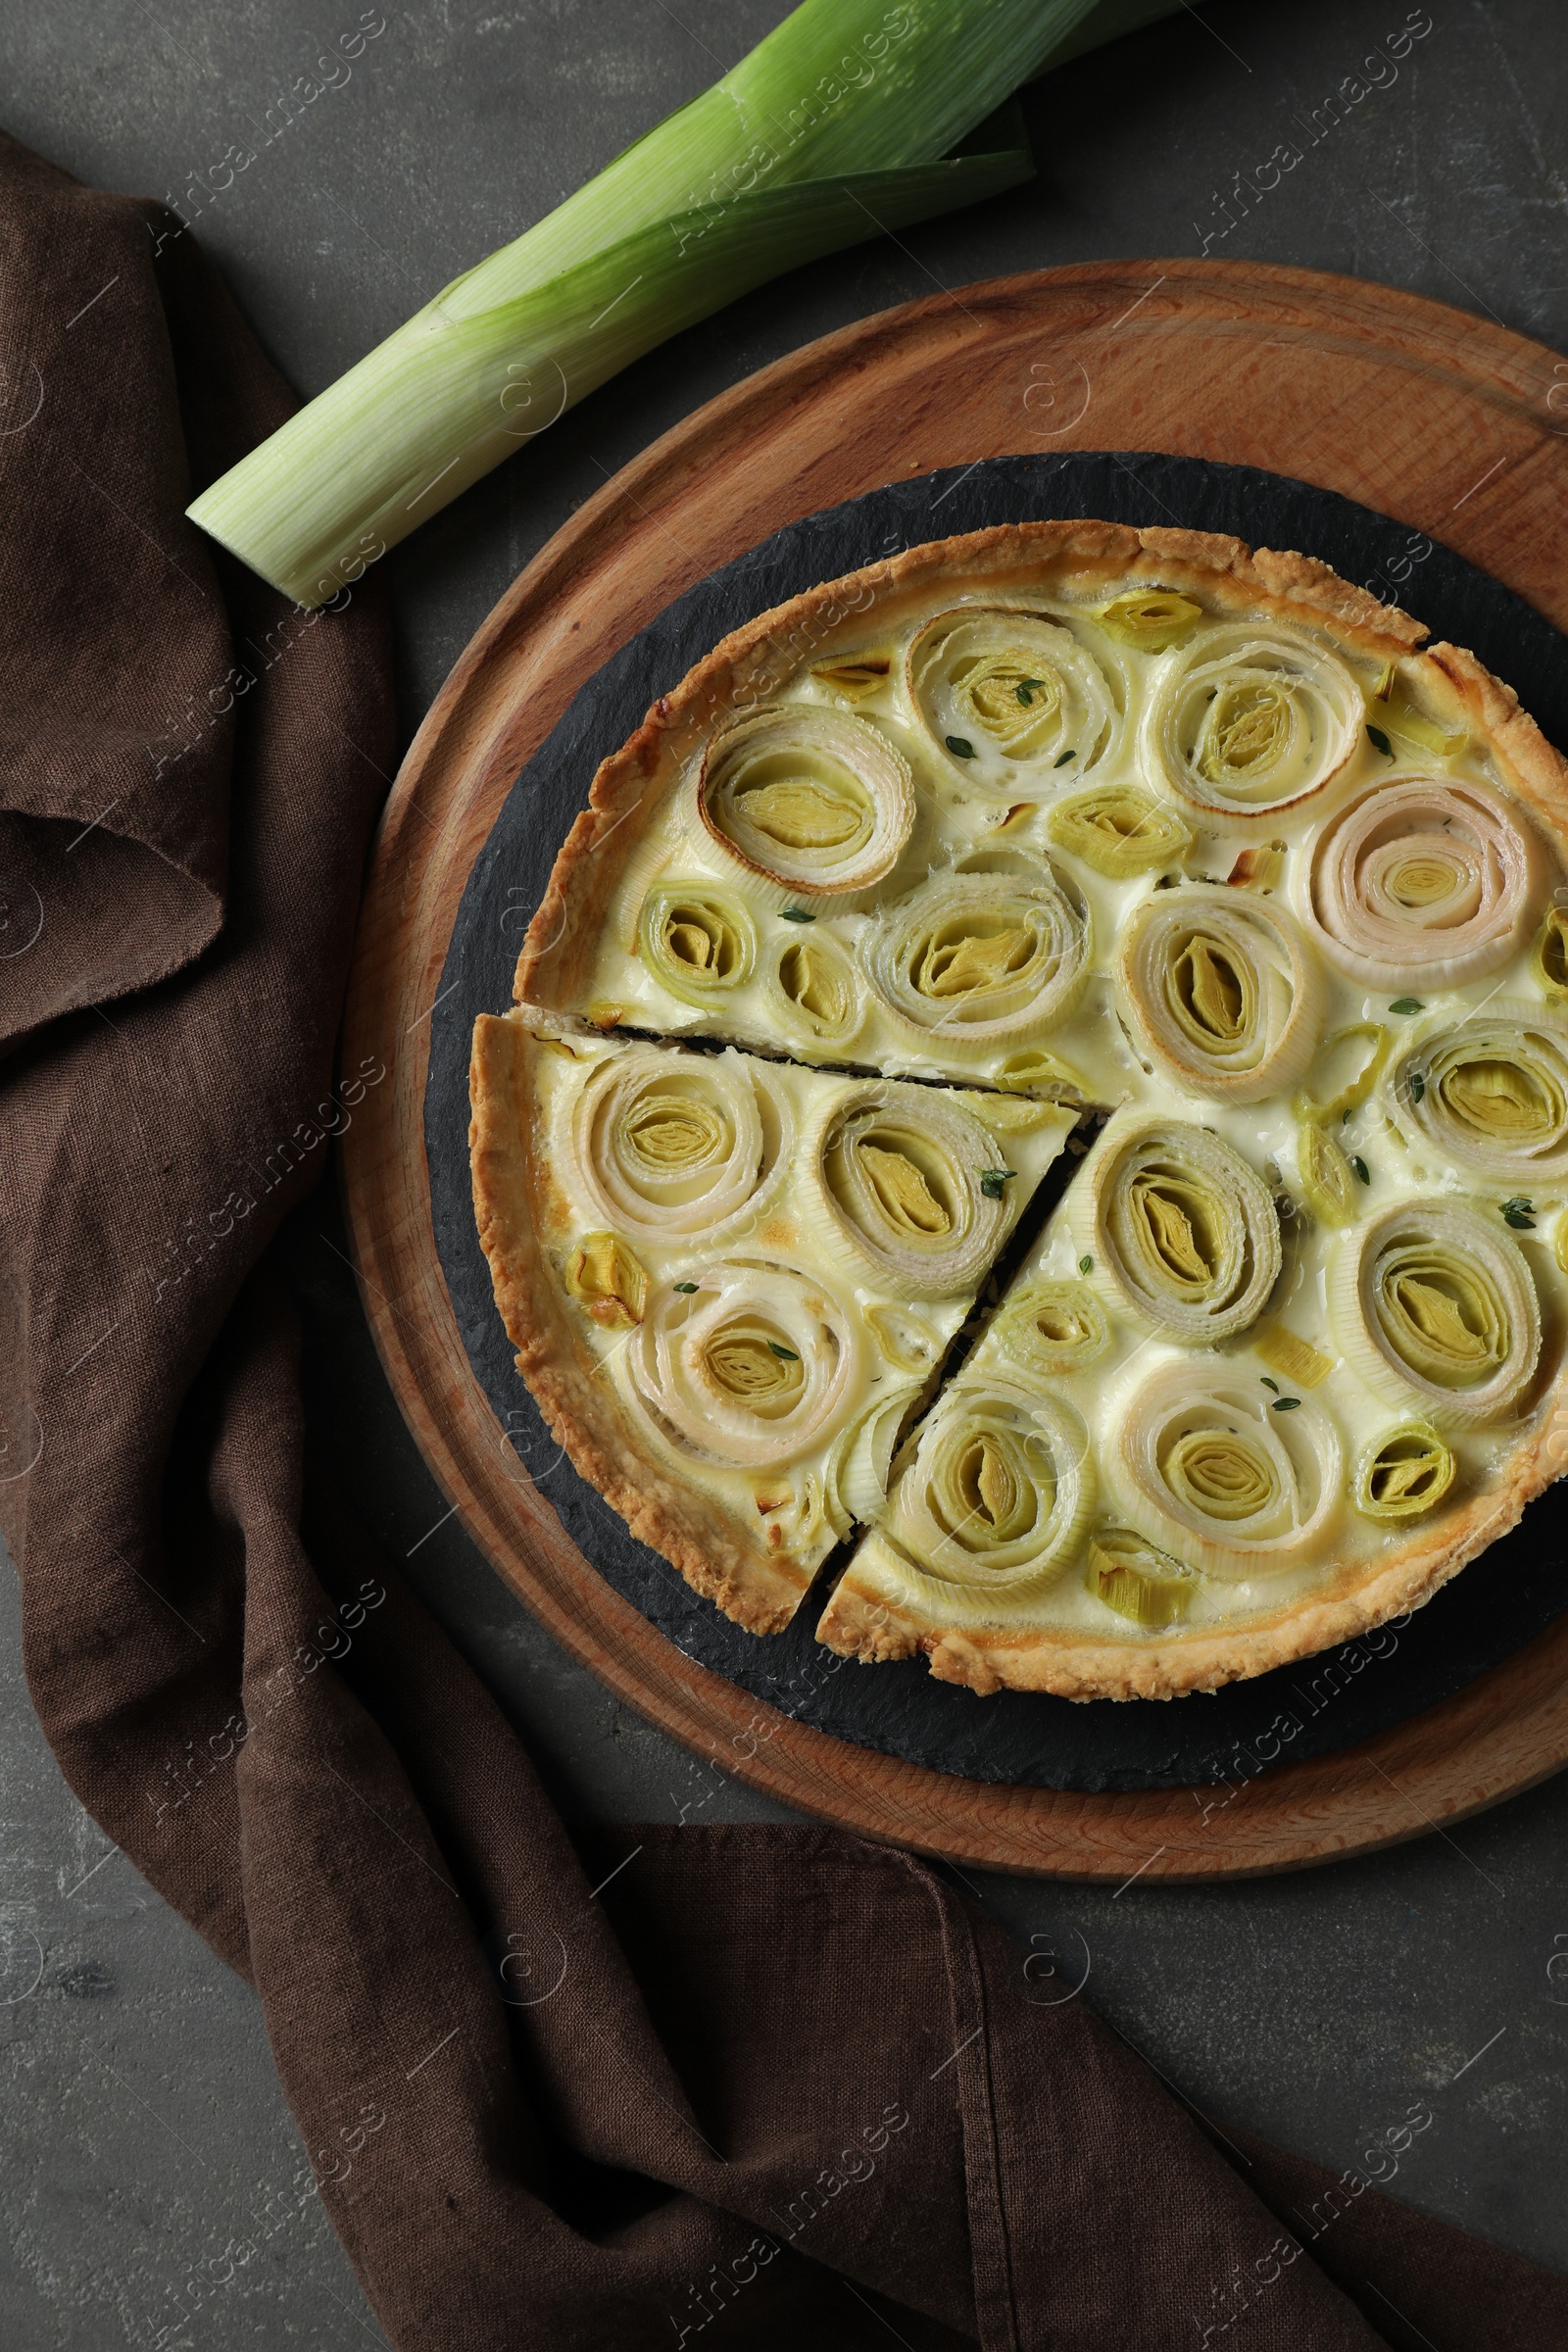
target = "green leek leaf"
x: 829, y: 133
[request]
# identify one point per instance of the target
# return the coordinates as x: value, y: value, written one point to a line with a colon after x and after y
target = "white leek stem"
x: 830, y: 132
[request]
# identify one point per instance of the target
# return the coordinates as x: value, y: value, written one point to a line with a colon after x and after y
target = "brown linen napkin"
x: 768, y: 2086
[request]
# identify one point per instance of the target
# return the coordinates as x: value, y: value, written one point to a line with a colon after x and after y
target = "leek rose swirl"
x: 1204, y: 1466
x: 697, y: 940
x: 900, y: 1184
x: 1009, y: 698
x: 756, y: 1365
x: 998, y: 1496
x: 1434, y: 1294
x: 815, y: 799
x: 1440, y: 879
x: 981, y: 956
x: 1252, y: 719
x: 1492, y: 1092
x: 1225, y: 995
x: 1184, y: 1228
x: 669, y: 1144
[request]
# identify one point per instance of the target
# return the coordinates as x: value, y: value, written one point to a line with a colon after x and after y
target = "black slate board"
x: 1330, y: 1701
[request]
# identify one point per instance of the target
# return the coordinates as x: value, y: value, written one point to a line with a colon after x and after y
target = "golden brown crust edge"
x: 581, y: 1410
x: 865, y: 1625
x: 754, y: 661
x: 1530, y: 764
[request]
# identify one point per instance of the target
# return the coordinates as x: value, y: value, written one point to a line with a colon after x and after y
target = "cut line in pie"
x: 1186, y: 874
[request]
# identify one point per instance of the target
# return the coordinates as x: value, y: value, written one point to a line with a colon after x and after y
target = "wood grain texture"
x: 1446, y: 422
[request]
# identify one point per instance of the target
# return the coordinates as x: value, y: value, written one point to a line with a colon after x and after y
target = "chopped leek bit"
x: 606, y: 1278
x: 1259, y: 867
x: 1155, y: 619
x: 960, y: 747
x: 1284, y: 1404
x: 1086, y: 1265
x: 786, y: 1355
x: 1385, y: 685
x: 992, y: 1181
x: 1293, y: 1356
x: 687, y: 1286
x: 1361, y: 1167
x: 1520, y: 1213
x: 1425, y: 733
x: 1380, y: 742
x: 1065, y: 756
x: 1135, y: 1579
x: 1410, y: 1471
x: 854, y: 677
x: 797, y: 914
x: 1408, y: 1005
x: 1418, y: 1085
x: 1549, y: 961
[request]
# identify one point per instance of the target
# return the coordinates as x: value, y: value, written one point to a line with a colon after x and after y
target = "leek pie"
x: 1036, y: 1111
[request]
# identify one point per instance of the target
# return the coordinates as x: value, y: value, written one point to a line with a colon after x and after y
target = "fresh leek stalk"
x: 829, y: 133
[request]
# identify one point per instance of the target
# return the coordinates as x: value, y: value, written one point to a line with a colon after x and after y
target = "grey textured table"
x: 145, y: 2143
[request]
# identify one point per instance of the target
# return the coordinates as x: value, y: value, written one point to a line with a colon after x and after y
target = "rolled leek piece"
x: 1050, y: 1329
x: 1010, y: 698
x: 1182, y: 1227
x: 698, y: 940
x: 1431, y: 1299
x: 814, y: 801
x: 900, y: 1178
x: 1406, y: 1471
x: 1204, y: 1464
x: 981, y: 957
x: 748, y: 1365
x: 1252, y: 719
x: 814, y: 991
x: 1224, y: 991
x: 828, y: 132
x: 666, y: 1143
x: 995, y: 1501
x: 1119, y: 829
x: 1442, y: 877
x: 1490, y: 1093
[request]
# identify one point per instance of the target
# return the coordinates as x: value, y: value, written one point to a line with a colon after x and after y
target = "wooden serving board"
x: 1448, y: 425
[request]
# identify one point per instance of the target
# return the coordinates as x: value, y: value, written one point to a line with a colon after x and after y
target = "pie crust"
x: 1200, y: 851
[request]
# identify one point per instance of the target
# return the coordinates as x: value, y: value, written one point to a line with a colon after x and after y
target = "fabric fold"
x: 759, y: 2085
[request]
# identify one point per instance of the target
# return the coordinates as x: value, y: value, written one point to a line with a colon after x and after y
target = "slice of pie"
x: 730, y: 1281
x: 1199, y: 850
